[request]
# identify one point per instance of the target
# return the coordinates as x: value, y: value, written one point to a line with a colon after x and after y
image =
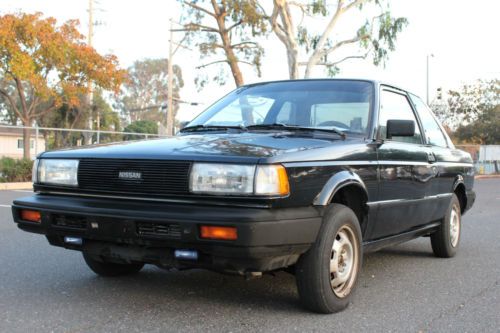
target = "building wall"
x: 9, y: 146
x: 489, y: 153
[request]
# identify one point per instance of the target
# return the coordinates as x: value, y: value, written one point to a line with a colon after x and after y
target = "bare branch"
x: 246, y: 62
x: 354, y: 4
x: 22, y: 98
x: 210, y: 45
x: 344, y: 59
x: 234, y: 25
x: 242, y: 45
x: 11, y: 102
x: 341, y: 43
x: 212, y: 63
x: 221, y: 61
x: 278, y: 29
x: 34, y: 102
x: 196, y: 27
x: 41, y: 113
x: 179, y: 44
x: 319, y: 51
x: 195, y: 6
x: 217, y: 12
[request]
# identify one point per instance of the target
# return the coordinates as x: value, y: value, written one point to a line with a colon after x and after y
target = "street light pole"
x: 170, y: 111
x: 427, y: 78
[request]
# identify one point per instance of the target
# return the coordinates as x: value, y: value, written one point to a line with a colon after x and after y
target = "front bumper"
x: 128, y: 230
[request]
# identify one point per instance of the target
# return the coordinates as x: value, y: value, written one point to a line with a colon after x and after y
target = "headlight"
x: 222, y: 178
x: 56, y: 172
x: 210, y: 178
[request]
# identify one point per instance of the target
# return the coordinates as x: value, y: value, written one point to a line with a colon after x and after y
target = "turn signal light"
x: 215, y: 232
x: 31, y: 215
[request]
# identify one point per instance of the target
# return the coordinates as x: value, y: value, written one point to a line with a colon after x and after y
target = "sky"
x: 462, y: 36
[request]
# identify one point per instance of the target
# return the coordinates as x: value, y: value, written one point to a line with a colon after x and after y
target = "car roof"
x: 375, y: 82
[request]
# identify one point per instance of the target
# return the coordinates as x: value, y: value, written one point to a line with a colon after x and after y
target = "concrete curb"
x: 16, y: 186
x: 487, y: 176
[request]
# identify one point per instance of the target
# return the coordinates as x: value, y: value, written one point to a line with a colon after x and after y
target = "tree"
x: 376, y: 36
x: 77, y: 116
x: 484, y: 130
x: 145, y: 92
x: 140, y: 126
x: 228, y: 41
x: 475, y: 110
x: 49, y: 66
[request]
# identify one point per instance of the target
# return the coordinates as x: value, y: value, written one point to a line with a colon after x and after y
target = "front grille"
x: 157, y: 178
x: 159, y: 230
x: 69, y: 221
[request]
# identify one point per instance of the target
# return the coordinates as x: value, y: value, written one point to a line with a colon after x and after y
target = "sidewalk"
x: 493, y: 176
x: 16, y: 186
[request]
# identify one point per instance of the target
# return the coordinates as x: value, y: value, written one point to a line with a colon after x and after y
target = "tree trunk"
x: 293, y: 64
x: 286, y: 34
x: 318, y: 51
x: 26, y: 140
x: 231, y: 57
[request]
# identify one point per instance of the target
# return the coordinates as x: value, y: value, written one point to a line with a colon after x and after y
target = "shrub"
x: 140, y: 126
x: 12, y: 170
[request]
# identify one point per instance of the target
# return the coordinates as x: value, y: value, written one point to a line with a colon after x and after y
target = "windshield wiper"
x: 297, y: 128
x: 196, y: 128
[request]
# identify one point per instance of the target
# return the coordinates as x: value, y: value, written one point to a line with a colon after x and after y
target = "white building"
x: 11, y: 143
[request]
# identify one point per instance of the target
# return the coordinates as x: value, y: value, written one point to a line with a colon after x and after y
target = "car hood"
x: 242, y: 147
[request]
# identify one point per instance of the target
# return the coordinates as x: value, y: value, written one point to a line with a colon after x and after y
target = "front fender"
x: 335, y: 183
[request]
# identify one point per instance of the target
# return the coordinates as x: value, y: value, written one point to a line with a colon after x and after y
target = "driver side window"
x: 394, y: 106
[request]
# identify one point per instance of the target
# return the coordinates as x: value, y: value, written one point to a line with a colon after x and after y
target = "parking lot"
x: 403, y: 288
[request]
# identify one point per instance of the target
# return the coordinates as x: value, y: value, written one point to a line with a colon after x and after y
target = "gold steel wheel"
x: 454, y: 226
x: 344, y: 262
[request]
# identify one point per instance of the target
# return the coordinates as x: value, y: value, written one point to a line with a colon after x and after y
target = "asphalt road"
x: 403, y: 288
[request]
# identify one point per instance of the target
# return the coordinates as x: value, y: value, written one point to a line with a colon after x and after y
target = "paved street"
x: 403, y: 288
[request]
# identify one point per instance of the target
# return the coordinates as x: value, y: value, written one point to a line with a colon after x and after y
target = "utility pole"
x: 427, y: 77
x: 170, y: 111
x: 88, y: 136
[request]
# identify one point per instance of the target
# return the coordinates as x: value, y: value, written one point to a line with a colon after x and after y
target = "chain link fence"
x: 48, y: 138
x: 486, y: 158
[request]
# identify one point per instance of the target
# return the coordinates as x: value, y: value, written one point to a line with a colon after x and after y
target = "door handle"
x: 431, y: 158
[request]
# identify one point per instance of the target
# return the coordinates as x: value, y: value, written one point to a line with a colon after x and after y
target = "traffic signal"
x: 439, y: 93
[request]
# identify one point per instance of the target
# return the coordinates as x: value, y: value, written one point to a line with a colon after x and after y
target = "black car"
x: 303, y: 176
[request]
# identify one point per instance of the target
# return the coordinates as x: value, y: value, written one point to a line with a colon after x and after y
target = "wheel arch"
x: 347, y: 188
x: 459, y: 190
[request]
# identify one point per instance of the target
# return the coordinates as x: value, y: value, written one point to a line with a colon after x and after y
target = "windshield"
x: 342, y: 105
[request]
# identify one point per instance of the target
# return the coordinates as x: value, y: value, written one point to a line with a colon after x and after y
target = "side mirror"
x: 400, y: 128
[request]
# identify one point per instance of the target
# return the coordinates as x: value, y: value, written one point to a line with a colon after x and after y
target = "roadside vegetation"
x: 13, y: 170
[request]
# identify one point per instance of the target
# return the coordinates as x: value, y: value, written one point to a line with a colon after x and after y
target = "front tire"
x: 110, y: 269
x: 446, y: 239
x: 327, y: 274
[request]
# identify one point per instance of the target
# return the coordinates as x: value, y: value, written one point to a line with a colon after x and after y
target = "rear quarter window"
x: 432, y: 130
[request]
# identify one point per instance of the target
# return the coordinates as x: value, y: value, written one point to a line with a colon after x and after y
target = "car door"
x: 447, y: 166
x: 405, y: 169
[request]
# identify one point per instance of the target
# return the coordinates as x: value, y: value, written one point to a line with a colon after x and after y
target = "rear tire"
x: 109, y: 269
x: 326, y: 275
x: 446, y: 239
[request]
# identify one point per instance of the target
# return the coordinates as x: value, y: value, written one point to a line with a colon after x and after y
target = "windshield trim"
x: 226, y: 100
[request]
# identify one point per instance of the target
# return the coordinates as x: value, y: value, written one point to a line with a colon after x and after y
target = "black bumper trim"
x: 262, y: 233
